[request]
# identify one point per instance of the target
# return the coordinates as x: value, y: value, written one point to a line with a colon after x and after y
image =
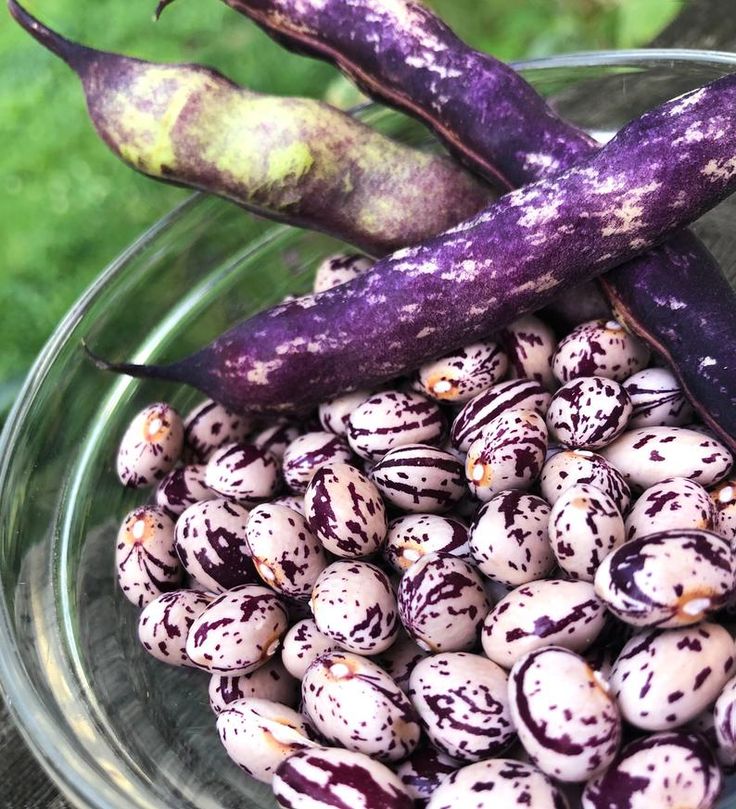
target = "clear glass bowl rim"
x: 75, y: 777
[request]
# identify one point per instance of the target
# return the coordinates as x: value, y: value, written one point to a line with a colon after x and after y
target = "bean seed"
x: 399, y: 660
x: 530, y: 345
x: 304, y: 456
x: 415, y: 535
x: 339, y: 269
x: 151, y: 446
x: 181, y: 488
x: 658, y: 399
x: 209, y: 425
x: 674, y: 503
x: 425, y: 770
x: 243, y: 472
x: 568, y: 468
x: 334, y: 414
x: 275, y: 438
x: 165, y: 622
x: 303, y: 644
x: 724, y: 500
x: 463, y: 374
x: 271, y: 681
x: 724, y: 717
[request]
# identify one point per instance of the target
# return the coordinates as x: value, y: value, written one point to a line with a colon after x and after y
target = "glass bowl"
x: 112, y: 726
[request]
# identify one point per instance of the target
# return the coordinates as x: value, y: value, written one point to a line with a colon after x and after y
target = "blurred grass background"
x: 69, y: 206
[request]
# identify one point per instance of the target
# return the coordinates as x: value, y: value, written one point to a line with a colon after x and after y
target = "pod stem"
x: 75, y: 55
x: 130, y: 369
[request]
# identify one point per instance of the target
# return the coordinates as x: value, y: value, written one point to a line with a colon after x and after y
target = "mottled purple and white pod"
x: 145, y: 556
x: 345, y: 511
x: 239, y: 631
x: 399, y: 660
x: 151, y: 446
x: 181, y: 488
x: 599, y: 348
x: 724, y: 719
x: 304, y: 456
x: 276, y: 437
x: 292, y: 501
x: 462, y: 700
x: 210, y: 541
x: 553, y: 612
x: 339, y: 269
x: 463, y: 374
x: 509, y: 454
x: 497, y: 783
x: 565, y: 717
x: 415, y: 535
x: 243, y: 472
x: 393, y: 419
x: 658, y: 399
x: 665, y: 677
x: 530, y: 345
x: 259, y: 735
x: 209, y: 425
x: 649, y: 455
x: 571, y: 467
x: 724, y: 500
x: 352, y: 702
x: 673, y: 503
x: 271, y: 681
x: 515, y: 394
x: 425, y: 770
x: 509, y: 541
x: 332, y: 778
x: 588, y: 413
x: 334, y: 414
x: 302, y: 645
x: 670, y: 579
x: 673, y: 769
x: 420, y: 478
x: 442, y: 603
x: 165, y: 622
x: 585, y: 525
x: 286, y: 554
x: 353, y: 603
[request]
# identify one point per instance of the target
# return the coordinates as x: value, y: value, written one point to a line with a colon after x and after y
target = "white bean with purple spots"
x: 658, y: 399
x: 571, y: 467
x: 303, y: 644
x: 724, y: 501
x: 413, y: 536
x: 243, y: 472
x: 209, y: 425
x: 151, y: 446
x: 530, y: 345
x: 304, y: 456
x: 339, y: 269
x: 181, y: 488
x: 462, y: 374
x: 165, y: 622
x: 271, y: 681
x: 334, y: 414
x: 673, y: 503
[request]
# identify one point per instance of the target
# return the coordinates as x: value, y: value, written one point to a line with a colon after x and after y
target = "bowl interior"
x: 115, y: 727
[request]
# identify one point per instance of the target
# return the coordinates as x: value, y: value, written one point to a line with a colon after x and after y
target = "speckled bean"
x: 151, y: 446
x: 515, y: 394
x: 508, y: 538
x: 271, y: 681
x: 420, y: 478
x: 243, y: 472
x: 530, y: 345
x: 566, y: 719
x: 585, y: 525
x: 302, y: 645
x: 463, y: 374
x: 425, y: 770
x: 292, y: 501
x: 599, y: 348
x: 649, y: 455
x: 209, y: 425
x: 353, y: 603
x: 462, y: 700
x: 276, y: 437
x: 335, y: 413
x: 339, y: 269
x: 665, y: 677
x: 658, y: 399
x: 553, y: 612
x: 571, y: 467
x: 724, y: 719
x: 181, y: 488
x: 415, y: 535
x: 165, y: 622
x: 239, y: 631
x: 442, y: 603
x: 673, y: 503
x: 353, y: 702
x: 399, y: 660
x: 724, y: 500
x: 304, y: 456
x: 145, y: 557
x: 345, y: 511
x: 393, y: 419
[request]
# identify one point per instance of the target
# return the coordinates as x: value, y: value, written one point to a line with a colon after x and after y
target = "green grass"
x: 69, y: 207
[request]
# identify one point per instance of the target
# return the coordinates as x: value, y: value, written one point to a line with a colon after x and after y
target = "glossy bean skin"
x: 334, y: 414
x: 670, y: 579
x: 425, y: 770
x: 413, y: 536
x: 338, y: 269
x: 565, y: 469
x: 530, y: 345
x: 259, y: 734
x: 211, y: 543
x: 599, y: 348
x: 673, y: 503
x: 724, y: 720
x: 585, y: 525
x: 353, y: 702
x: 509, y: 454
x: 243, y: 472
x: 658, y: 399
x: 442, y: 603
x: 332, y: 777
x: 209, y: 425
x: 286, y: 555
x: 462, y: 701
x: 552, y: 612
x: 292, y: 501
x: 164, y: 624
x: 145, y: 556
x: 515, y: 394
x: 496, y: 783
x: 353, y: 603
x: 649, y: 455
x: 276, y: 437
x: 654, y: 694
x: 420, y: 478
x: 271, y: 681
x: 151, y: 446
x: 304, y: 456
x: 509, y: 539
x: 566, y: 719
x: 724, y: 501
x: 588, y: 413
x: 303, y: 644
x: 345, y: 511
x: 463, y: 374
x: 238, y: 632
x: 665, y: 769
x: 400, y: 659
x: 181, y: 488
